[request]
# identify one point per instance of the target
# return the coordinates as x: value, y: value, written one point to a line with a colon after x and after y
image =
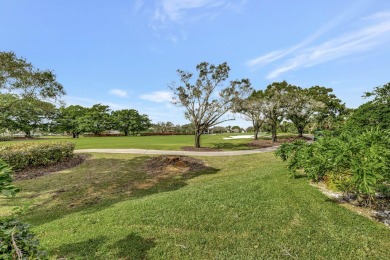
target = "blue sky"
x: 125, y: 53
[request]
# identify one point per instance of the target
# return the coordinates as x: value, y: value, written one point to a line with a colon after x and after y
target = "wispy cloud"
x: 357, y: 41
x: 171, y: 16
x: 158, y: 96
x: 278, y: 54
x: 118, y: 92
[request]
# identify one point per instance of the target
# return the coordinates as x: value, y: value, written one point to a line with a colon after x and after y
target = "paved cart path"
x: 168, y: 152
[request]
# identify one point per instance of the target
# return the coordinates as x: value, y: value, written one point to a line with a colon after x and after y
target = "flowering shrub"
x: 23, y: 155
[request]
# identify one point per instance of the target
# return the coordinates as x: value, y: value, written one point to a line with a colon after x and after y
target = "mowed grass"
x: 242, y: 207
x: 168, y: 142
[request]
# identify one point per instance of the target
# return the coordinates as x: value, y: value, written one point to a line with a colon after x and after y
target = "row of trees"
x: 208, y: 98
x: 282, y: 102
x: 28, y: 114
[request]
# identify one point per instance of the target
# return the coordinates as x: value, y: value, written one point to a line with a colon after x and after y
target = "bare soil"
x: 378, y: 211
x: 173, y: 164
x: 269, y: 143
x: 38, y: 171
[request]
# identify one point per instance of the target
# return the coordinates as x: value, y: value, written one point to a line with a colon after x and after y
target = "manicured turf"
x: 242, y: 207
x: 172, y: 142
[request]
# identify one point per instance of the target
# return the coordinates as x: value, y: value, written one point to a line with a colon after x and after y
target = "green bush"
x: 17, y: 241
x: 5, y: 138
x: 357, y: 162
x: 6, y: 187
x: 23, y: 155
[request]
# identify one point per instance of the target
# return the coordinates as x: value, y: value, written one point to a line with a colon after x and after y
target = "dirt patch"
x: 173, y: 164
x: 34, y: 172
x: 200, y: 149
x: 380, y: 211
x: 269, y: 143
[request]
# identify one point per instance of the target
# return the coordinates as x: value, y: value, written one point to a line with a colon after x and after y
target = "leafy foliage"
x: 17, y: 241
x: 23, y: 155
x: 6, y: 186
x: 19, y: 76
x: 363, y: 155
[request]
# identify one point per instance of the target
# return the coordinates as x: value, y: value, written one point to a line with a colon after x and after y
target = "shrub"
x: 352, y: 161
x: 23, y: 155
x: 162, y: 133
x: 16, y: 240
x: 5, y: 138
x: 6, y: 187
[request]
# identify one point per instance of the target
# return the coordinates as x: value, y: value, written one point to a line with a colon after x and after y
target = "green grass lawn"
x: 172, y: 142
x: 242, y: 207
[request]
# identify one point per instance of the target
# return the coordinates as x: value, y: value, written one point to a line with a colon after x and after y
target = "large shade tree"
x: 302, y: 108
x: 27, y: 114
x: 129, y: 121
x: 253, y: 110
x: 69, y: 119
x: 276, y: 104
x: 20, y: 77
x: 96, y: 119
x: 206, y: 99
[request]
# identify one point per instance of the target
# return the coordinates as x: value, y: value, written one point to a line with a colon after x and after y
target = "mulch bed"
x: 173, y: 164
x: 38, y: 171
x: 201, y: 149
x: 269, y: 143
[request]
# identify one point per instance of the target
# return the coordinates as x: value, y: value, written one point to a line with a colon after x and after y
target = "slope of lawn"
x: 242, y: 207
x: 171, y: 142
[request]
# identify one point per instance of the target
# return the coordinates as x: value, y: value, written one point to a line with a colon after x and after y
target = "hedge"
x: 162, y: 133
x: 22, y: 155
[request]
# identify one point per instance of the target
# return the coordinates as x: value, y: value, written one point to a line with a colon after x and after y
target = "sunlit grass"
x: 171, y: 142
x: 243, y: 207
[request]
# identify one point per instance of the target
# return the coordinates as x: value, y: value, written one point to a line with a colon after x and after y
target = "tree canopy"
x: 17, y: 76
x: 207, y: 100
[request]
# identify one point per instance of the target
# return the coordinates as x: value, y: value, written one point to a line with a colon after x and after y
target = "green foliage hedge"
x: 357, y: 162
x: 23, y: 155
x: 5, y: 138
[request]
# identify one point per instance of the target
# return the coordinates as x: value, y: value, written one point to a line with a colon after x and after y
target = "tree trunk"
x: 197, y: 139
x: 74, y: 135
x: 28, y: 134
x: 300, y: 132
x: 126, y: 133
x: 256, y: 133
x: 274, y: 136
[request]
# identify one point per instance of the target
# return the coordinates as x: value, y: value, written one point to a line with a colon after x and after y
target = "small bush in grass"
x: 23, y: 155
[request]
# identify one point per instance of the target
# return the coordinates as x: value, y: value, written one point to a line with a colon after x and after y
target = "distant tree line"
x: 30, y: 114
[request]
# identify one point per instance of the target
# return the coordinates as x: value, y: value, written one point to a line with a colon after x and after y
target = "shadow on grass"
x: 132, y: 246
x: 100, y: 183
x: 87, y: 249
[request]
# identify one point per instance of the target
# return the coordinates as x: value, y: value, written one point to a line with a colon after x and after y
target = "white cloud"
x: 278, y: 54
x: 118, y: 92
x: 158, y: 96
x: 351, y: 43
x: 171, y: 17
